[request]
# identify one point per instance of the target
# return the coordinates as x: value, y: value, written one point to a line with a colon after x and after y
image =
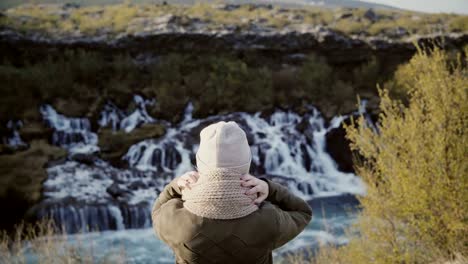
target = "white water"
x: 118, y: 119
x: 73, y: 134
x: 95, y: 194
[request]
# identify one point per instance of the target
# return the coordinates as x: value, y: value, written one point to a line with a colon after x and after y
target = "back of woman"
x: 220, y: 214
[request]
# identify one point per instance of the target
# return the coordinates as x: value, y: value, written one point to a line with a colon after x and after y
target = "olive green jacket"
x: 249, y: 239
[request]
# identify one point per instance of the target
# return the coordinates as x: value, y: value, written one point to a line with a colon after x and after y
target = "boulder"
x: 371, y: 15
x: 71, y: 6
x: 228, y: 7
x: 337, y: 145
x: 116, y: 191
x: 343, y: 15
x: 84, y: 158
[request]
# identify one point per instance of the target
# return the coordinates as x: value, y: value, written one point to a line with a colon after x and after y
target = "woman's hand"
x: 259, y: 187
x: 188, y: 178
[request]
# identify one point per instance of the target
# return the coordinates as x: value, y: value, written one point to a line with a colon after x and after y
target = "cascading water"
x: 118, y: 119
x: 89, y: 194
x: 73, y: 134
x: 286, y: 147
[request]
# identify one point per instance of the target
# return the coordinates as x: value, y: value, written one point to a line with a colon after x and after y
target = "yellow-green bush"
x: 416, y: 206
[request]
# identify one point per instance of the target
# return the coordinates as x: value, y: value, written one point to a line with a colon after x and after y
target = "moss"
x: 114, y: 144
x: 459, y: 24
x: 351, y: 26
x: 22, y: 174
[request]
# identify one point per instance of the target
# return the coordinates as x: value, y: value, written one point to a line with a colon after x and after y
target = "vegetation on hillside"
x: 78, y: 83
x: 414, y: 164
x: 134, y: 18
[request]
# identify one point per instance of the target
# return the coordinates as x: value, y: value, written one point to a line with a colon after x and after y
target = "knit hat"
x: 222, y: 158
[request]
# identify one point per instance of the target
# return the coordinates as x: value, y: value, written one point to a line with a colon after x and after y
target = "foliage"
x: 415, y: 168
x: 78, y: 82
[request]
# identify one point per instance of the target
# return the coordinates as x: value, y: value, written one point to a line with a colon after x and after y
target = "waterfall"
x: 118, y: 119
x: 14, y: 139
x: 285, y: 146
x: 73, y: 134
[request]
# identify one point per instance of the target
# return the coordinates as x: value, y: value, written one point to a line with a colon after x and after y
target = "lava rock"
x: 337, y: 145
x: 71, y: 6
x: 228, y: 7
x: 343, y: 15
x: 84, y: 158
x: 371, y: 15
x: 116, y: 191
x: 137, y: 185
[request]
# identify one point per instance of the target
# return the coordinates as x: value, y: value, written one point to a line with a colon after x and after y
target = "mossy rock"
x: 21, y: 177
x: 35, y: 131
x: 114, y: 144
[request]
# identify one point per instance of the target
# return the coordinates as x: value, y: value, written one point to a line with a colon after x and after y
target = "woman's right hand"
x: 187, y: 178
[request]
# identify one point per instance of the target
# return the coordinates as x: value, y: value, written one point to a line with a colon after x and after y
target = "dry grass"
x: 42, y: 243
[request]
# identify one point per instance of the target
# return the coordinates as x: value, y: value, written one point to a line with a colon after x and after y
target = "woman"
x: 221, y: 214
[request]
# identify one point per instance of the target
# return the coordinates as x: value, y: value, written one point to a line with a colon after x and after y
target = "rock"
x: 84, y: 158
x: 114, y: 144
x: 343, y: 15
x: 371, y: 15
x: 228, y: 7
x: 338, y: 147
x: 296, y: 17
x: 71, y: 6
x: 400, y: 32
x: 138, y: 184
x: 116, y: 191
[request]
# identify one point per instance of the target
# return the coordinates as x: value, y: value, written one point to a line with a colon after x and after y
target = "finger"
x: 195, y: 174
x: 261, y: 198
x: 250, y: 183
x: 192, y: 179
x: 187, y: 185
x: 258, y: 201
x: 247, y: 177
x: 252, y: 190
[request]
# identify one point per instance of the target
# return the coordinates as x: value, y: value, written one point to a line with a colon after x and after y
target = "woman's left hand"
x: 258, y: 187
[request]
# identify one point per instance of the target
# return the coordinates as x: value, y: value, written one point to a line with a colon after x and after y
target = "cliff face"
x: 342, y: 35
x: 167, y: 35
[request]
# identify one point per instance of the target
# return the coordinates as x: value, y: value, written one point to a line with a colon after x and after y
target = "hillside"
x: 288, y: 3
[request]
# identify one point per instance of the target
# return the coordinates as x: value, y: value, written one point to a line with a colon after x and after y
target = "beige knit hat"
x: 222, y: 158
